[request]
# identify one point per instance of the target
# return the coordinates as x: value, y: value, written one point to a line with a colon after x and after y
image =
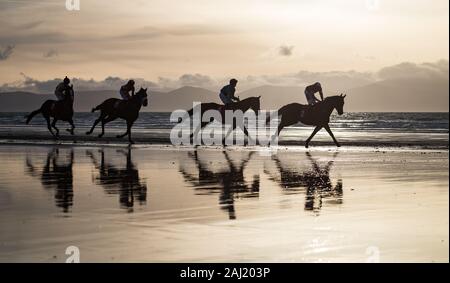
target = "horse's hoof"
x: 88, y: 133
x: 131, y: 142
x: 100, y: 135
x: 338, y: 145
x: 306, y: 145
x: 119, y: 136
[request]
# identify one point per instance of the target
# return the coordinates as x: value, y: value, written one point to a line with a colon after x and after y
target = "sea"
x: 414, y: 129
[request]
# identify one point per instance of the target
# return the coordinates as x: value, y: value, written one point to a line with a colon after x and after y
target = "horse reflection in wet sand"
x: 56, y: 174
x: 316, y: 181
x: 230, y: 183
x: 122, y: 181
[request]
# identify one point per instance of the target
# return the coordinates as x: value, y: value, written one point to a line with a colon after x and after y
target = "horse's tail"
x: 32, y: 114
x: 96, y: 108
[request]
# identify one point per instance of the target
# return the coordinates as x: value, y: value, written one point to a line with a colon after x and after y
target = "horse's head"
x: 339, y: 103
x: 142, y: 95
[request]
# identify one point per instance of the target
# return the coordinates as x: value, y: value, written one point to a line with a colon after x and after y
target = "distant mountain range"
x: 399, y: 95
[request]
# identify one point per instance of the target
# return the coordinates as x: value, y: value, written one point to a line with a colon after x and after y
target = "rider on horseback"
x: 61, y: 88
x: 227, y: 92
x: 125, y: 90
x: 310, y: 92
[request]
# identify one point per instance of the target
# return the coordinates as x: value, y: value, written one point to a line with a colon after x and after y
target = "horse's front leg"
x: 318, y: 128
x: 129, y: 124
x: 327, y: 128
x: 228, y: 133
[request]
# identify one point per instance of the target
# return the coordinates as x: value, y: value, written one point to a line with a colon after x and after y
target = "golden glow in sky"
x: 152, y: 39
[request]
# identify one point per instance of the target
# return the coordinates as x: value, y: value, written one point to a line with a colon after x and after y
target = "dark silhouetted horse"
x: 317, y: 115
x: 314, y: 182
x: 114, y: 108
x: 243, y: 105
x: 121, y: 180
x: 57, y: 175
x: 231, y: 183
x: 59, y: 110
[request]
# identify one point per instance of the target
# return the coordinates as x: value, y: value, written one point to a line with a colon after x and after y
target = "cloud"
x: 150, y: 32
x: 48, y: 86
x: 30, y: 25
x: 332, y: 81
x: 6, y: 52
x: 410, y: 70
x: 285, y: 50
x: 50, y: 53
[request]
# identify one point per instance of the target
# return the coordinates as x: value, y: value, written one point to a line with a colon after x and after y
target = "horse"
x: 114, y: 108
x: 244, y: 105
x: 317, y: 115
x: 59, y: 110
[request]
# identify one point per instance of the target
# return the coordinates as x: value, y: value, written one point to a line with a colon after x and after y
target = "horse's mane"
x: 331, y: 97
x: 249, y: 98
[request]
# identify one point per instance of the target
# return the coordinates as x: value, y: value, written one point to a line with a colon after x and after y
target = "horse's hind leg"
x: 49, y: 126
x: 327, y: 128
x: 54, y: 126
x: 312, y: 135
x: 104, y: 121
x: 102, y: 116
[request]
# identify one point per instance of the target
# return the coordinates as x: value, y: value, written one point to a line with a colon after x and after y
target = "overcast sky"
x: 218, y: 39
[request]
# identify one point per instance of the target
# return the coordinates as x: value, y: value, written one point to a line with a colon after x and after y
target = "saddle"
x: 305, y: 110
x: 120, y: 104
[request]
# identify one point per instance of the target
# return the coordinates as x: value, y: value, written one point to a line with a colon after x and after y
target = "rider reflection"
x: 229, y: 183
x: 57, y: 175
x: 316, y: 181
x: 122, y: 181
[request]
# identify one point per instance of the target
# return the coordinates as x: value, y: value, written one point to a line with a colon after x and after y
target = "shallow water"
x: 163, y: 204
x: 425, y: 130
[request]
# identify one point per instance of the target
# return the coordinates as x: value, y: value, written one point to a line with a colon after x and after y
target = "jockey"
x: 310, y: 92
x: 61, y: 88
x: 227, y: 92
x: 125, y: 90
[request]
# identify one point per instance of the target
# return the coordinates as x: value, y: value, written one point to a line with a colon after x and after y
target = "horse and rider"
x: 126, y: 108
x: 317, y: 113
x: 59, y: 109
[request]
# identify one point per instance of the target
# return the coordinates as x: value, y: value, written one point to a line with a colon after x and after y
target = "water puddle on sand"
x: 154, y: 204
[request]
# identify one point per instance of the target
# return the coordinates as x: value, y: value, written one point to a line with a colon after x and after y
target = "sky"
x: 164, y: 40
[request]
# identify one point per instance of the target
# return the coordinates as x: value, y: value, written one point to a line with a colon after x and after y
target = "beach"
x: 161, y: 203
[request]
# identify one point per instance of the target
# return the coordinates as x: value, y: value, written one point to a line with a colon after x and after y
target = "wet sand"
x: 167, y: 204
